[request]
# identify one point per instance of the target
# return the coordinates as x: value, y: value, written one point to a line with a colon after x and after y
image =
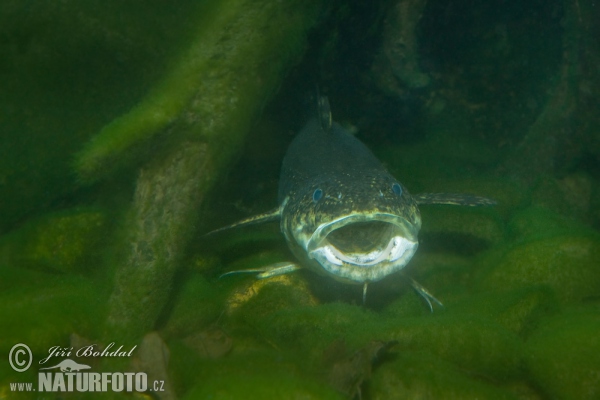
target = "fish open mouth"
x: 364, y: 248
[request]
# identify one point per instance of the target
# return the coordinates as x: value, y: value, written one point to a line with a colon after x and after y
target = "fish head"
x: 355, y: 230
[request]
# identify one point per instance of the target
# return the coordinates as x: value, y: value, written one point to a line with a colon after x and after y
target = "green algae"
x: 420, y: 375
x: 570, y: 196
x: 463, y: 223
x: 251, y: 304
x: 440, y: 268
x: 474, y: 343
x: 567, y: 264
x: 237, y: 58
x: 61, y: 242
x: 157, y: 230
x: 266, y: 374
x: 67, y: 69
x: 546, y: 249
x: 563, y: 354
x: 310, y: 330
x: 470, y: 341
x: 517, y: 310
x: 197, y: 304
x: 215, y: 90
x: 539, y: 222
x: 46, y: 311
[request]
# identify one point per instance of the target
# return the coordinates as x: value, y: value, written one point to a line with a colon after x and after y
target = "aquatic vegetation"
x: 214, y: 93
x: 45, y: 309
x: 59, y: 242
x: 197, y: 304
x: 264, y: 374
x: 421, y: 375
x: 563, y: 354
x: 232, y: 65
x: 546, y: 253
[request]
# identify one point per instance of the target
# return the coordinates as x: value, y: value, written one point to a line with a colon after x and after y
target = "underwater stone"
x: 255, y: 300
x: 570, y: 196
x: 63, y: 242
x: 44, y: 311
x: 567, y: 264
x: 259, y: 375
x: 420, y: 375
x: 516, y: 310
x: 471, y: 342
x: 563, y: 354
x: 197, y: 304
x: 539, y: 222
x: 309, y: 330
x: 475, y: 226
x: 152, y: 357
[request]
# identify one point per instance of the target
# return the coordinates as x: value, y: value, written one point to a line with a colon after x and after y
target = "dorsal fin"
x: 272, y: 215
x: 324, y: 111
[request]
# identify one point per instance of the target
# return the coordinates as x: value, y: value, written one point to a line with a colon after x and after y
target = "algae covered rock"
x: 468, y: 229
x: 539, y: 222
x: 517, y: 310
x: 260, y: 375
x: 563, y: 354
x: 567, y: 264
x: 197, y: 303
x: 473, y: 343
x: 257, y: 299
x: 419, y: 375
x: 570, y: 195
x: 546, y: 249
x: 44, y: 311
x: 62, y: 242
x: 309, y: 330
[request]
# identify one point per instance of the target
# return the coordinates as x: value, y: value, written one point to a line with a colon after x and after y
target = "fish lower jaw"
x: 365, y: 267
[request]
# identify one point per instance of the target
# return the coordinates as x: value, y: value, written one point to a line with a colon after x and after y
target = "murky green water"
x: 128, y: 132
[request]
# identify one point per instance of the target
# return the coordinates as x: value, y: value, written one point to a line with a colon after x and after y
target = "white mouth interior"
x: 396, y: 248
x: 363, y: 248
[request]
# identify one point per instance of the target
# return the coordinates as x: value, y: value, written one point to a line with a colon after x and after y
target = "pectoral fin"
x: 269, y: 216
x: 269, y: 271
x: 456, y: 199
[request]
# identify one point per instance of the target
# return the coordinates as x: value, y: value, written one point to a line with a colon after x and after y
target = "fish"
x: 343, y: 215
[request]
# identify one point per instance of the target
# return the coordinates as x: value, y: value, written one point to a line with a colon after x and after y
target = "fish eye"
x: 396, y: 188
x: 317, y: 195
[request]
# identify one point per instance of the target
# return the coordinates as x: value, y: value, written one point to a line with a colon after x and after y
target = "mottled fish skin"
x: 352, y: 182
